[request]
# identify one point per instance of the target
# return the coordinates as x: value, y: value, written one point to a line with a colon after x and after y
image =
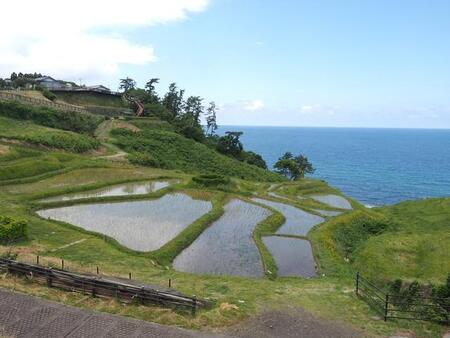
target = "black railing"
x: 396, y: 307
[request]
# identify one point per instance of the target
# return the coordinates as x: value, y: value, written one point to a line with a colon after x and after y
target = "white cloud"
x: 63, y: 38
x: 254, y: 105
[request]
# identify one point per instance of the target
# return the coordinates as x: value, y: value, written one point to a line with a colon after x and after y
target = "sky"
x: 337, y: 63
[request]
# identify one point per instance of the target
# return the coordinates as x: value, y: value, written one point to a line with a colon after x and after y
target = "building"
x: 52, y: 84
x: 99, y: 89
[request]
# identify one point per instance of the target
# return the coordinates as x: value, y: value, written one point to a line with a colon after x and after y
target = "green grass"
x: 77, y: 122
x: 39, y: 135
x: 324, y: 296
x: 169, y: 150
x: 92, y: 99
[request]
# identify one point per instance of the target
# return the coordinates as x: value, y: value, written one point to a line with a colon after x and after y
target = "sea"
x: 374, y: 166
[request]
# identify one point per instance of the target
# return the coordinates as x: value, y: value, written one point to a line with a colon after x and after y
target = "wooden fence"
x: 101, y: 286
x: 394, y: 307
x: 40, y: 102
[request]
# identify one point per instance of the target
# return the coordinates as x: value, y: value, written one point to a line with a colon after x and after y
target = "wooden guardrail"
x: 39, y: 102
x: 394, y: 307
x: 100, y: 286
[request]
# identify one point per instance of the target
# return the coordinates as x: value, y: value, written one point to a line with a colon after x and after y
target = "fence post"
x: 62, y: 264
x: 170, y: 283
x: 194, y: 308
x: 37, y: 260
x: 97, y: 270
x: 386, y: 305
x: 129, y: 275
x: 357, y: 283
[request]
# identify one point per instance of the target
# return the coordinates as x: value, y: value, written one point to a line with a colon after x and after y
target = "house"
x: 48, y: 82
x: 99, y: 89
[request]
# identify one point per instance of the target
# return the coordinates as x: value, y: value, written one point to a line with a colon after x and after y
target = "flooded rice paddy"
x: 137, y: 188
x: 227, y: 246
x: 138, y: 225
x: 333, y: 201
x: 293, y: 256
x: 298, y: 222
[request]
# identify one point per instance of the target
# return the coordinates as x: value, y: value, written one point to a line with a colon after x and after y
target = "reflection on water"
x: 293, y: 256
x: 298, y: 222
x: 138, y: 225
x: 333, y: 201
x: 114, y: 190
x: 227, y: 246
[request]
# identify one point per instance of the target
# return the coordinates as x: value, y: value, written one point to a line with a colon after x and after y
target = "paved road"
x: 27, y: 316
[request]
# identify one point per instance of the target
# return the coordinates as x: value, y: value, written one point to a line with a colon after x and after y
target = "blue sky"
x: 295, y: 63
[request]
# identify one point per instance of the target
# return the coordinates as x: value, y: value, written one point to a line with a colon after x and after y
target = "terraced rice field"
x: 138, y: 225
x: 114, y: 190
x: 227, y: 246
x: 298, y: 222
x: 333, y: 201
x: 293, y: 256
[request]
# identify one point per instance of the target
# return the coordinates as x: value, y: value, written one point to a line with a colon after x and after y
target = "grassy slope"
x: 414, y: 248
x: 94, y: 99
x: 50, y: 137
x: 173, y: 151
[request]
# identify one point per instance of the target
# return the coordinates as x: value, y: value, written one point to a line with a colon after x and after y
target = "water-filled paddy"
x: 334, y: 201
x: 139, y: 188
x: 298, y: 222
x: 293, y: 256
x: 227, y: 246
x: 138, y: 225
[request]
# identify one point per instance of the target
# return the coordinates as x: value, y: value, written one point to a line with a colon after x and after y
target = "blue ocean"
x: 374, y: 166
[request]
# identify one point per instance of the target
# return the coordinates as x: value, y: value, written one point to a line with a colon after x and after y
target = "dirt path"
x: 293, y: 322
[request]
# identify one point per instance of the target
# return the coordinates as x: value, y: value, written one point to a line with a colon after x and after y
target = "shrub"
x: 77, y: 122
x: 143, y: 159
x: 11, y: 230
x: 48, y: 94
x: 211, y: 180
x: 357, y: 230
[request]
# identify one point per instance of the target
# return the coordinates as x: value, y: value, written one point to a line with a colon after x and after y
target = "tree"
x: 127, y: 84
x: 230, y: 143
x: 173, y: 100
x: 150, y: 86
x: 194, y: 108
x: 294, y: 168
x: 211, y: 121
x: 253, y: 158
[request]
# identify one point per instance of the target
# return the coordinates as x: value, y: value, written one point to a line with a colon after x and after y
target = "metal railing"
x: 391, y: 306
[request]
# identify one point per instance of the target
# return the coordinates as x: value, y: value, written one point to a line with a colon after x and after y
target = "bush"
x: 358, y: 229
x: 143, y: 159
x: 77, y: 122
x: 48, y: 94
x: 11, y: 230
x: 211, y: 180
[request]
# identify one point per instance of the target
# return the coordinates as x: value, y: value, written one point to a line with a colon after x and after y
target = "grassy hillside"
x: 169, y: 150
x: 409, y: 241
x: 39, y: 135
x: 77, y: 122
x: 92, y: 99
